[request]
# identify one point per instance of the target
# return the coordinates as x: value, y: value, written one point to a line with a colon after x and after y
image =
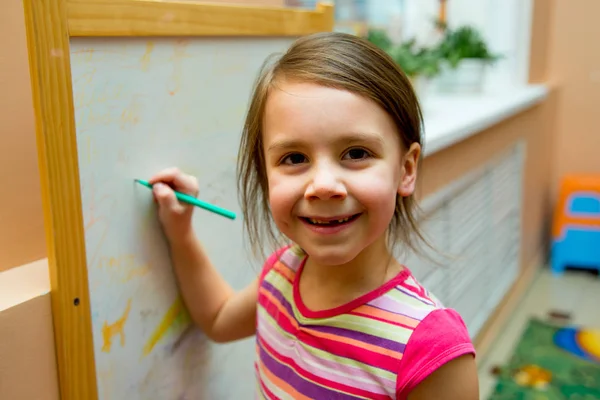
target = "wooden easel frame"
x: 50, y: 24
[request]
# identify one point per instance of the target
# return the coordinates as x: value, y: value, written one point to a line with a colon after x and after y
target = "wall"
x: 27, y: 359
x: 31, y: 375
x: 563, y: 57
x: 21, y: 222
x: 443, y: 167
x: 540, y: 36
x: 574, y: 63
x: 27, y: 351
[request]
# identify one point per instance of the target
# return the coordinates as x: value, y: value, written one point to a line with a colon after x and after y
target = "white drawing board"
x: 142, y: 105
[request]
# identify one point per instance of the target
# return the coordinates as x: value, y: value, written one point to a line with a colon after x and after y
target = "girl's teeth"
x: 319, y: 222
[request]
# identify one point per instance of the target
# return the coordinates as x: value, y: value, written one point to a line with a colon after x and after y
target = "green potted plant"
x: 379, y: 38
x: 416, y: 61
x: 466, y: 55
x: 420, y: 64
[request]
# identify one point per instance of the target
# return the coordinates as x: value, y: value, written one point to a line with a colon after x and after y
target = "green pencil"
x: 186, y: 198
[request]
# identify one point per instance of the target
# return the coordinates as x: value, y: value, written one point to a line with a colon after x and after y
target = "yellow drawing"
x: 141, y: 271
x: 175, y: 313
x: 125, y: 265
x: 88, y: 53
x: 146, y: 57
x: 108, y: 331
x: 131, y: 115
x: 179, y: 54
x: 124, y: 261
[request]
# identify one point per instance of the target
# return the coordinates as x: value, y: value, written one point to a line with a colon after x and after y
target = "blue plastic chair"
x: 578, y: 246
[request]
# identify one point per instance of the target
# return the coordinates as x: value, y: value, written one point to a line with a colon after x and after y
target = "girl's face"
x: 334, y: 167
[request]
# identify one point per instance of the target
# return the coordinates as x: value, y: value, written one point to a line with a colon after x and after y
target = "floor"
x: 576, y: 293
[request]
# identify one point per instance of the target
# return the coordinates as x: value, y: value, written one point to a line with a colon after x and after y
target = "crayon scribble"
x: 179, y: 54
x: 145, y: 60
x: 136, y: 272
x: 131, y: 115
x: 108, y: 331
x: 175, y: 316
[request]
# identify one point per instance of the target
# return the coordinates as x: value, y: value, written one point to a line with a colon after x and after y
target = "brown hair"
x: 340, y: 61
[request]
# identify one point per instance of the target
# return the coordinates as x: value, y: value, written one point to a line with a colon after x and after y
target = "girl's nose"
x: 325, y: 185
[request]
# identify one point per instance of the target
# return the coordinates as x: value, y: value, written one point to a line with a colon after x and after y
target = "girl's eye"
x: 294, y: 158
x: 357, y: 154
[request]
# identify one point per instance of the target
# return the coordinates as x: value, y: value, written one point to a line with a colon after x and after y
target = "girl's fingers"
x: 167, y: 176
x: 165, y: 197
x: 177, y: 180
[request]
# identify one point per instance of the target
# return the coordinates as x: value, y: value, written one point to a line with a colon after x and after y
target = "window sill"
x: 450, y: 119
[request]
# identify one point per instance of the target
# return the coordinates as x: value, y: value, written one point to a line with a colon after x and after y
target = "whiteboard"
x: 142, y: 105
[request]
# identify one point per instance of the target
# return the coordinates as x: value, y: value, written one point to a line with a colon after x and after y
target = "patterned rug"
x: 552, y: 362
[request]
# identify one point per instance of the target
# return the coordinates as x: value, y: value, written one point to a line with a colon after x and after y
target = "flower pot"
x: 467, y: 77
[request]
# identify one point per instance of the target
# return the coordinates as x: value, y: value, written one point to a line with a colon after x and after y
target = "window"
x: 505, y: 24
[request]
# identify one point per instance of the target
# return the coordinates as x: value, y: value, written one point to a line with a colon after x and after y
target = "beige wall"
x: 21, y: 222
x: 574, y: 63
x: 454, y: 162
x: 27, y: 357
x: 540, y: 39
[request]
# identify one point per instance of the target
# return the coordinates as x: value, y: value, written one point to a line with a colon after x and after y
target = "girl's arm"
x: 457, y: 379
x: 221, y: 313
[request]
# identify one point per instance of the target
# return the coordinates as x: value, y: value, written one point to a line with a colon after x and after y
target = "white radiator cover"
x: 474, y: 225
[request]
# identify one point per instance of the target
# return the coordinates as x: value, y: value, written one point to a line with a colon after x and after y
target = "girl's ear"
x: 408, y: 176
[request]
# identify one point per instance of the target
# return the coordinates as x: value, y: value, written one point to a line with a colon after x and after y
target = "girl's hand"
x: 175, y: 216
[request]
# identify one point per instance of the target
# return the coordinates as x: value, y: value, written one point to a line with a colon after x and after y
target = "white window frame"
x: 506, y: 25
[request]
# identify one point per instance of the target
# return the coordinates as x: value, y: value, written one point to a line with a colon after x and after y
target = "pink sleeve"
x: 440, y: 337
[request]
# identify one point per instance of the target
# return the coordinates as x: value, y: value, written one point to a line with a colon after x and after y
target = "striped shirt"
x: 379, y: 346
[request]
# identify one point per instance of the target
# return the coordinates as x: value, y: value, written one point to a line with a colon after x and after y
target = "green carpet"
x: 552, y: 362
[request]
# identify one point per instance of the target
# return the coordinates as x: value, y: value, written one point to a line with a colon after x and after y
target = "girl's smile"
x: 330, y: 225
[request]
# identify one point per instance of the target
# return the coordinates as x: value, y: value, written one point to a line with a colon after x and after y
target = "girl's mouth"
x: 330, y: 222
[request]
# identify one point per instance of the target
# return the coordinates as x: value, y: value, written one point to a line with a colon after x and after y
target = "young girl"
x: 329, y: 154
